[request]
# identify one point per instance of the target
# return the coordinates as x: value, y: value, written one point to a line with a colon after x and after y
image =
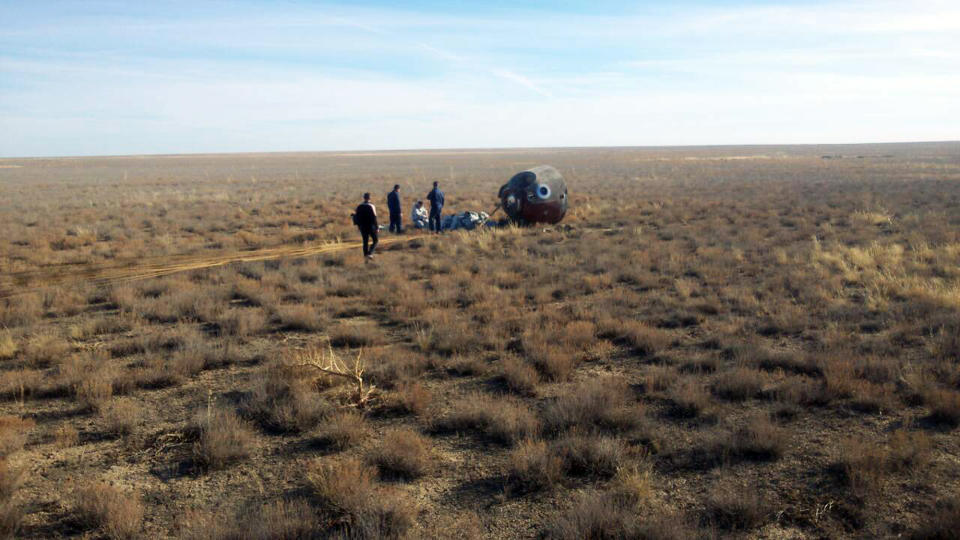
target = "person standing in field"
x: 396, y: 211
x: 366, y: 220
x: 436, y: 207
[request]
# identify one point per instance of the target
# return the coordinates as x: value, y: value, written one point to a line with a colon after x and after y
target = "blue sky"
x: 95, y: 78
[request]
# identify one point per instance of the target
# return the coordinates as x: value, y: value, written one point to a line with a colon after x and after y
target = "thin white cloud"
x: 344, y: 78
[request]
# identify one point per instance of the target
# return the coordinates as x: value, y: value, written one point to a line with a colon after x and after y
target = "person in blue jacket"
x: 396, y: 211
x: 436, y: 207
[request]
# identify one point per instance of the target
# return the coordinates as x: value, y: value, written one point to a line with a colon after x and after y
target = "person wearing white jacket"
x: 419, y: 215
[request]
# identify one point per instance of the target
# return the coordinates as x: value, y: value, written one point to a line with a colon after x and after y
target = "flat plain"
x: 757, y: 342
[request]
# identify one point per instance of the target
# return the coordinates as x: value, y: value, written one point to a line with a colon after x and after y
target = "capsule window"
x: 543, y: 192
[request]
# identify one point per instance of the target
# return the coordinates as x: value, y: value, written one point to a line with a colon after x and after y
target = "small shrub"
x: 42, y: 350
x: 121, y: 417
x: 730, y: 507
x: 94, y: 392
x: 8, y: 346
x: 387, y: 365
x: 11, y: 516
x: 224, y: 438
x: 11, y: 478
x: 604, y: 403
x: 520, y: 376
x: 285, y: 399
x: 556, y: 363
x: 344, y: 429
x: 355, y: 335
x: 66, y: 436
x: 404, y: 454
x: 738, y: 384
x: 466, y: 366
x: 595, y: 516
x: 590, y: 455
x: 532, y: 466
x: 117, y: 514
x: 413, y: 398
x: 632, y: 485
x: 944, y: 407
x: 860, y: 465
x: 20, y: 383
x: 391, y: 516
x: 299, y: 317
x: 20, y: 311
x: 579, y: 335
x: 758, y: 440
x: 689, y: 399
x: 504, y: 421
x: 13, y: 434
x: 943, y: 524
x: 659, y: 378
x: 347, y: 485
x: 242, y: 322
x: 908, y: 449
x: 280, y: 520
x: 643, y: 339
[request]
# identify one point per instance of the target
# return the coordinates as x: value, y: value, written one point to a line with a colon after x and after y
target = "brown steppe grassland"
x: 757, y: 342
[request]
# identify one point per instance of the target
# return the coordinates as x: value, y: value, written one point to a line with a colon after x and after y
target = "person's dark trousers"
x: 369, y: 234
x: 435, y: 218
x: 396, y: 223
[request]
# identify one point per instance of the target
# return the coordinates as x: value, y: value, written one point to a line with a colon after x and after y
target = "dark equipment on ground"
x: 537, y: 195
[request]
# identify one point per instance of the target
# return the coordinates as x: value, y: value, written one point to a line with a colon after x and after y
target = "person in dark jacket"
x: 396, y: 212
x: 436, y: 207
x: 366, y: 220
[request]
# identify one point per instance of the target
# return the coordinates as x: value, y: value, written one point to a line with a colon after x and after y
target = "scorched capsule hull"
x: 538, y: 195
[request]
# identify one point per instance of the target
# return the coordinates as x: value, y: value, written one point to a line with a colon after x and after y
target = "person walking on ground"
x: 366, y: 220
x: 420, y: 215
x: 396, y: 211
x: 436, y: 207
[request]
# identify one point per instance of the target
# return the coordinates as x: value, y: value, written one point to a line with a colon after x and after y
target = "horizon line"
x: 361, y: 151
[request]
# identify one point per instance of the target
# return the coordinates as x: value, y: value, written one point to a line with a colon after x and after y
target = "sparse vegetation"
x: 404, y: 453
x: 224, y: 438
x: 705, y: 347
x: 116, y: 513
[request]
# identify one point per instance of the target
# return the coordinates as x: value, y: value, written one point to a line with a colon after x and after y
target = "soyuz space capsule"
x: 538, y: 195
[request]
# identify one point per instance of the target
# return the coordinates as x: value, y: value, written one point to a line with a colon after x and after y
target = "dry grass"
x: 943, y: 524
x: 944, y: 407
x: 532, y: 466
x: 686, y: 299
x: 12, y: 476
x: 8, y: 346
x: 733, y: 507
x: 589, y: 455
x: 501, y: 420
x: 122, y: 417
x: 520, y: 376
x: 223, y: 438
x: 286, y: 399
x: 404, y: 454
x: 602, y: 403
x: 690, y: 399
x: 13, y: 434
x: 349, y: 486
x: 66, y: 436
x: 344, y: 429
x: 277, y: 519
x: 114, y: 512
x: 738, y: 384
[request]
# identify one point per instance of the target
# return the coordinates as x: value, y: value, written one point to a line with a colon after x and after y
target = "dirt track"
x: 131, y: 270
